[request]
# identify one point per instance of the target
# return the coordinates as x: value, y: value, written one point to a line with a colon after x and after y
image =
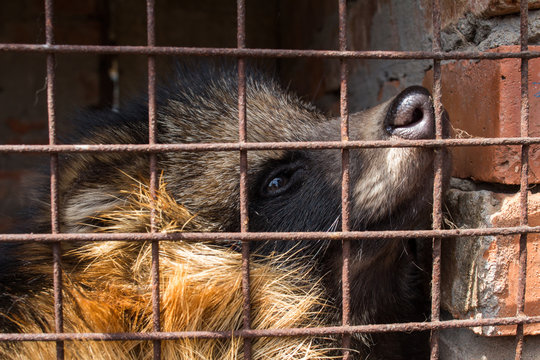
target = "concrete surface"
x: 463, y: 344
x: 480, y: 274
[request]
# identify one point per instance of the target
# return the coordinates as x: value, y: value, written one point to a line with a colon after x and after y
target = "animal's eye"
x: 277, y: 183
x: 281, y: 180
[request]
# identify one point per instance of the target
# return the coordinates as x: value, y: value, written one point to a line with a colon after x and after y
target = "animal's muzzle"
x: 411, y: 115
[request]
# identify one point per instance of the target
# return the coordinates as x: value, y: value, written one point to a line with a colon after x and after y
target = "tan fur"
x: 109, y: 290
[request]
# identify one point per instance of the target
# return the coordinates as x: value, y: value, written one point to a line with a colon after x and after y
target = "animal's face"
x: 289, y: 190
x: 300, y: 190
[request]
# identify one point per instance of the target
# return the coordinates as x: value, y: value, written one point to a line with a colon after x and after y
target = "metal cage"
x: 241, y: 53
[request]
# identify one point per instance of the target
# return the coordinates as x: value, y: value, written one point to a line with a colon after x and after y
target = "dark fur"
x: 201, y: 106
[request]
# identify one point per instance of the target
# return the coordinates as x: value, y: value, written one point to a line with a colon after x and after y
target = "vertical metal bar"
x: 244, y: 216
x: 151, y: 41
x: 55, y: 228
x: 345, y: 181
x: 437, y: 183
x: 524, y: 181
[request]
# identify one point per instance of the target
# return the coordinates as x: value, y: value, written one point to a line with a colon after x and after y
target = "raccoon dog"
x: 107, y: 285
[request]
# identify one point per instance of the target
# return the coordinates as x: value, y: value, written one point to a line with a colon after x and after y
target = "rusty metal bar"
x: 251, y: 146
x: 437, y: 183
x: 151, y: 42
x: 524, y: 180
x: 242, y: 134
x: 243, y: 146
x: 262, y: 53
x: 273, y: 236
x: 345, y: 184
x: 253, y: 333
x: 55, y: 223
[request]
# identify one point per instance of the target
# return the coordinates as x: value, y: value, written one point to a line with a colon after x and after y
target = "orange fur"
x: 109, y: 290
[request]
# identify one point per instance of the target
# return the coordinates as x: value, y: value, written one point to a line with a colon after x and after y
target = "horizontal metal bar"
x: 272, y: 236
x: 299, y: 145
x: 252, y: 333
x: 275, y: 53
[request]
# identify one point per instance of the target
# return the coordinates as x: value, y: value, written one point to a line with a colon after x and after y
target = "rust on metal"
x: 345, y: 236
x: 51, y: 112
x: 264, y: 53
x: 273, y: 236
x: 251, y: 146
x: 151, y: 42
x: 345, y: 183
x: 242, y: 135
x: 254, y: 333
x: 437, y: 183
x: 524, y: 180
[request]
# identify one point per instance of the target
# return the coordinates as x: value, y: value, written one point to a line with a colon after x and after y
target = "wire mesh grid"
x: 243, y: 146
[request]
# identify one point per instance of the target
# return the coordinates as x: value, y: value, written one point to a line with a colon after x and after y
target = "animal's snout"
x: 411, y: 115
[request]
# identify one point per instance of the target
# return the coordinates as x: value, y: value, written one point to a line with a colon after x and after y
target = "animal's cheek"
x: 366, y: 128
x: 388, y: 178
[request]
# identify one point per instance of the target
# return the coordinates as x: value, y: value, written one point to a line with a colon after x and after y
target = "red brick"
x: 505, y: 246
x: 480, y: 275
x: 483, y: 100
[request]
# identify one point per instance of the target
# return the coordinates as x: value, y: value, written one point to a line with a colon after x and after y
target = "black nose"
x: 411, y: 115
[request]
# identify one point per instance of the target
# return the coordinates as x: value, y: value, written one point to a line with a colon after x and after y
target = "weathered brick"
x: 483, y: 100
x: 480, y: 274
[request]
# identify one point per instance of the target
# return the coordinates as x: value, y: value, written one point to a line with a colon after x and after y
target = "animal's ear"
x: 98, y: 191
x: 126, y: 208
x: 91, y: 209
